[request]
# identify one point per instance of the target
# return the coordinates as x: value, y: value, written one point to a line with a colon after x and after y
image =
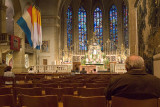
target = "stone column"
x: 133, y: 36
x: 2, y: 22
x: 75, y: 27
x: 105, y: 24
x: 120, y: 28
x: 57, y: 27
x: 65, y: 29
x: 2, y: 16
x: 19, y: 56
x: 50, y: 26
x: 90, y: 24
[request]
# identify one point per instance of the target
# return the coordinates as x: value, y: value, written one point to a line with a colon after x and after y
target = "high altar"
x: 94, y: 59
x: 109, y: 58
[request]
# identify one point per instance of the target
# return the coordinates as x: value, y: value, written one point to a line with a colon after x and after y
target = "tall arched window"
x: 69, y: 27
x: 82, y: 29
x: 113, y: 26
x: 125, y: 26
x: 98, y: 25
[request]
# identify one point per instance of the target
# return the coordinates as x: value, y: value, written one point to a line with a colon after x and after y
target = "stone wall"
x: 148, y: 31
x: 50, y: 30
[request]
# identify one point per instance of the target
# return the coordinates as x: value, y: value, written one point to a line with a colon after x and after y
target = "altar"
x: 97, y: 57
x: 94, y: 59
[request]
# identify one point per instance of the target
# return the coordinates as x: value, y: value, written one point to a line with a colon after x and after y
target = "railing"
x: 28, y: 48
x: 52, y: 68
x: 4, y: 38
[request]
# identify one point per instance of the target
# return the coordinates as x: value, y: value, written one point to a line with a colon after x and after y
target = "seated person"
x: 83, y: 71
x: 8, y: 73
x: 77, y: 70
x: 31, y: 70
x: 94, y: 70
x: 135, y: 84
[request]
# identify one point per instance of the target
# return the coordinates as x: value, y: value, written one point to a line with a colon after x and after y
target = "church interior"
x: 92, y: 35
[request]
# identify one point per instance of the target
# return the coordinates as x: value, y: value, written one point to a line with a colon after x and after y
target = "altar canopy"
x: 94, y: 55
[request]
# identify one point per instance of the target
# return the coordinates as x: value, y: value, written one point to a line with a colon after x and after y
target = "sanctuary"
x: 108, y: 58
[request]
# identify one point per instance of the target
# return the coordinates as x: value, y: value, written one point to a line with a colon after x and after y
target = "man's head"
x: 134, y: 62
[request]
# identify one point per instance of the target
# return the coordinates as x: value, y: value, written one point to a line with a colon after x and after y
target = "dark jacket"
x: 135, y: 84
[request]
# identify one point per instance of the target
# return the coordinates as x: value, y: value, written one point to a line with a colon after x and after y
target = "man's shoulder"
x: 153, y: 77
x: 118, y: 77
x: 129, y: 76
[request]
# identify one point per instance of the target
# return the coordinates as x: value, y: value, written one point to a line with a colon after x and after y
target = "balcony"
x: 4, y: 39
x: 5, y: 43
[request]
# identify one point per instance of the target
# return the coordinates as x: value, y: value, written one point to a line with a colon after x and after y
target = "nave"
x: 47, y: 60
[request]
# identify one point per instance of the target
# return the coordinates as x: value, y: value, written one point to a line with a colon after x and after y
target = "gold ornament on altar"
x: 95, y: 55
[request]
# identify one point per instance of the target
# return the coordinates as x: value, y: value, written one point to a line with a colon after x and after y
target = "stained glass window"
x: 69, y: 27
x: 125, y: 26
x: 113, y: 26
x: 82, y: 29
x: 98, y: 25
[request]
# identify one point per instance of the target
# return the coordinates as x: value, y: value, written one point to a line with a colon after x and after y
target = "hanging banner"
x: 15, y: 43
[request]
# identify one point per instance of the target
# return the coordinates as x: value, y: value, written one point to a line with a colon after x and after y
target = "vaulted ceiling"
x: 57, y: 5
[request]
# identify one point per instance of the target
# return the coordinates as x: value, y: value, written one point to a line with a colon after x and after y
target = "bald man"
x: 136, y: 83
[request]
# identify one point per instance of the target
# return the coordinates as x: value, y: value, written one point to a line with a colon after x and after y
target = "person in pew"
x: 83, y: 71
x: 135, y: 84
x: 31, y: 70
x: 94, y: 71
x: 9, y: 73
x: 77, y: 69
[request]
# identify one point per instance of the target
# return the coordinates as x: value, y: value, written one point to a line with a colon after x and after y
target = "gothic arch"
x: 97, y: 4
x: 126, y: 3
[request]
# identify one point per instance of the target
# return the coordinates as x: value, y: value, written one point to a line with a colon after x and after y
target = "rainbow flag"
x: 30, y: 23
